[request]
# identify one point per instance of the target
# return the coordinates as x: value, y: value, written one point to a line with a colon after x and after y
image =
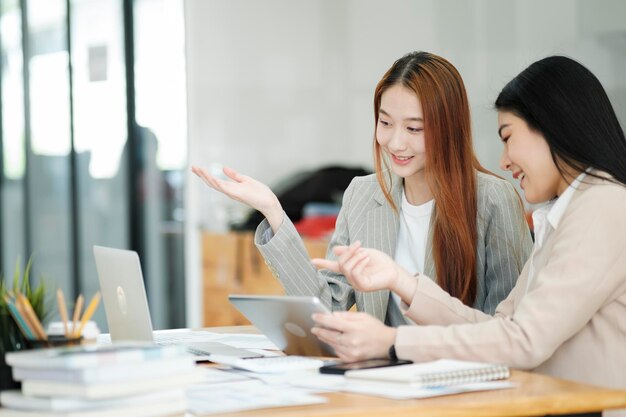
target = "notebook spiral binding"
x: 466, y: 376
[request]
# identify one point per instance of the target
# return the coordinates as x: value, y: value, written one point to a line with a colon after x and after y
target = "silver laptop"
x: 126, y: 305
x: 286, y: 321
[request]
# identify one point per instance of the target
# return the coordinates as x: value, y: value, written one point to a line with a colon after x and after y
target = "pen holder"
x: 55, y: 341
x: 89, y: 333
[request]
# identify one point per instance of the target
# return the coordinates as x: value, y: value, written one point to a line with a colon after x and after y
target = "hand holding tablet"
x: 286, y: 321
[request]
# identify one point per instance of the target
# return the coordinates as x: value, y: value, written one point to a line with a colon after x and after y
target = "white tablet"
x: 286, y: 321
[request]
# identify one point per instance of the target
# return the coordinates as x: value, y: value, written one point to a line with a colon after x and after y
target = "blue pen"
x: 19, y: 319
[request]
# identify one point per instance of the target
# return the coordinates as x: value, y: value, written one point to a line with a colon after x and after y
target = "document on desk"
x: 206, y: 399
x: 216, y: 376
x: 393, y: 390
x: 248, y: 341
x: 315, y: 383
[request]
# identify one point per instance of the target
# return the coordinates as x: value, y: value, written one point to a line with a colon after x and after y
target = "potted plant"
x: 11, y: 337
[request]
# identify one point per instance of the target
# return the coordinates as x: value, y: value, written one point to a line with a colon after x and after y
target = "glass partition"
x: 100, y: 133
x: 12, y: 138
x: 161, y: 115
x: 48, y: 152
x: 74, y: 130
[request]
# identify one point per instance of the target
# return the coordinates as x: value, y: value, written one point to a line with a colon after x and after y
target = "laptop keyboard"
x: 197, y: 342
x: 167, y: 337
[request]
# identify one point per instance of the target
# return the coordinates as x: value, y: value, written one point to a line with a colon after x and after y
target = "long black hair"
x: 566, y: 103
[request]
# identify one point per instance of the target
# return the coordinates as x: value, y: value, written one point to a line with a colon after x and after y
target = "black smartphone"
x: 341, y: 368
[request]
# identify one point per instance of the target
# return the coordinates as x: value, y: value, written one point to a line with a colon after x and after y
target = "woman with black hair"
x: 566, y: 315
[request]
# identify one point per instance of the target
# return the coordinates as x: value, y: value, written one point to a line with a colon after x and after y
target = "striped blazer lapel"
x: 429, y: 261
x: 381, y: 233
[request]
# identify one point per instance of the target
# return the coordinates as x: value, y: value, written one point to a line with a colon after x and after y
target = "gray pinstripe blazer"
x: 504, y: 244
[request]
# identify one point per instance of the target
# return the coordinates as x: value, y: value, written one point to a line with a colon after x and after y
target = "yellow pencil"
x: 32, y: 317
x: 62, y: 310
x: 77, y: 309
x: 91, y: 308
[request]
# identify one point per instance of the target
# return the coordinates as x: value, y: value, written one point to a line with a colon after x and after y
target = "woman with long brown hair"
x: 431, y: 205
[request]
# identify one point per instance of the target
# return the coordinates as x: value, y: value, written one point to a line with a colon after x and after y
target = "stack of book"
x: 138, y: 380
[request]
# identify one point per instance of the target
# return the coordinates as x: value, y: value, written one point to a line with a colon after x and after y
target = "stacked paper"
x: 96, y: 381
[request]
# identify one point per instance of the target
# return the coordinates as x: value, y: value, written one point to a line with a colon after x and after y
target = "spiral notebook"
x: 440, y: 373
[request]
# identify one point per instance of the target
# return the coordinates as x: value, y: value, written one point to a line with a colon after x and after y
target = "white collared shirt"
x: 549, y: 215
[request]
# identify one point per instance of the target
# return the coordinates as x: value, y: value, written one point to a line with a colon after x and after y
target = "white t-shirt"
x: 412, y: 237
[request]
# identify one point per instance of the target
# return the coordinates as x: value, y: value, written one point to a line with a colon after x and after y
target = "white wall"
x: 276, y: 86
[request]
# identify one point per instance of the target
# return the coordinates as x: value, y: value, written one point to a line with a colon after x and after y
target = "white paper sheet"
x: 248, y: 341
x: 245, y: 395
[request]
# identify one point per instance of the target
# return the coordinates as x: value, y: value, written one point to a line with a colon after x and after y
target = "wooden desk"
x: 536, y: 395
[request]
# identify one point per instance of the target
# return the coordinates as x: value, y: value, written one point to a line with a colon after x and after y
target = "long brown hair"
x: 450, y: 167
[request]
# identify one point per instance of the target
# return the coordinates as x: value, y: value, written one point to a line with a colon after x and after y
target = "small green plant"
x: 11, y: 338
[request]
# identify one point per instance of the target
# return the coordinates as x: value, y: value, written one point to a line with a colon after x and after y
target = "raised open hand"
x: 246, y: 190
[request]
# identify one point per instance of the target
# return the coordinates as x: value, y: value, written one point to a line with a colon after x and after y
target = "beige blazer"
x: 569, y: 323
x: 503, y: 246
